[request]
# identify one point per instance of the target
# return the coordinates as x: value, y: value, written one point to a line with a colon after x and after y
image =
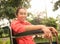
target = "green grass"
x: 7, y: 41
x: 1, y: 42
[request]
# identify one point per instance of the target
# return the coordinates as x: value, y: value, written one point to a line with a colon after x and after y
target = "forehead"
x: 22, y: 10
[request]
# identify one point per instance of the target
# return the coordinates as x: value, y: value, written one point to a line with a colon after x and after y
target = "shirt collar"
x: 20, y: 21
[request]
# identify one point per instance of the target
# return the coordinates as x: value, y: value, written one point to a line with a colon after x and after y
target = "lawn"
x: 4, y: 41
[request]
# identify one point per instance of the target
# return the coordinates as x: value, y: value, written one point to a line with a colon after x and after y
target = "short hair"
x: 19, y: 9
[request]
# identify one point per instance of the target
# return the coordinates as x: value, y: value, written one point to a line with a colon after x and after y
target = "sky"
x: 43, y: 5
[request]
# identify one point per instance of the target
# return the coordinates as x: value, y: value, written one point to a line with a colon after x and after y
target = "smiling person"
x: 20, y: 24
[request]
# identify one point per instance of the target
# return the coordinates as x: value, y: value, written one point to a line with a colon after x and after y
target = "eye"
x: 21, y: 13
x: 24, y: 13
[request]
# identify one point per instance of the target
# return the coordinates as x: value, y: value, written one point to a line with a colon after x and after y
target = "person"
x: 20, y: 24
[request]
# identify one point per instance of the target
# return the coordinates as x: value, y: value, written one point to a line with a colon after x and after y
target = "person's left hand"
x: 53, y: 30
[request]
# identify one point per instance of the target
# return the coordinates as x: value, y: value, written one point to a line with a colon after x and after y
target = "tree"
x: 49, y: 22
x: 1, y: 31
x: 34, y: 19
x: 44, y: 21
x: 8, y: 7
x: 56, y: 5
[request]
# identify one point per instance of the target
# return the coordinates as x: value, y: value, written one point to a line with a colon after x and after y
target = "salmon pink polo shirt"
x: 19, y: 26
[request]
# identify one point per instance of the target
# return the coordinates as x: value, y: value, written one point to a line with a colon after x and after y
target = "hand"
x: 47, y: 33
x: 53, y: 30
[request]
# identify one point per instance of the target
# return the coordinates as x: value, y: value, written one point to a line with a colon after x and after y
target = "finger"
x: 48, y: 36
x: 56, y: 33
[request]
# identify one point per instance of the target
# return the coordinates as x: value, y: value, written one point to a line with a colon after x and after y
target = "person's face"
x: 22, y: 14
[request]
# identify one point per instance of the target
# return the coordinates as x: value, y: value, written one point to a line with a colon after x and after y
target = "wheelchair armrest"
x: 32, y: 32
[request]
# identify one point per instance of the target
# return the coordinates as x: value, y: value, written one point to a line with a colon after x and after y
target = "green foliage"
x: 1, y: 31
x: 35, y: 19
x: 8, y: 7
x: 40, y: 40
x: 49, y: 22
x: 45, y: 21
x: 4, y: 32
x: 59, y: 37
x: 56, y: 5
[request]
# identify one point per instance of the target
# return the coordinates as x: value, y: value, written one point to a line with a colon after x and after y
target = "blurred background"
x: 45, y: 12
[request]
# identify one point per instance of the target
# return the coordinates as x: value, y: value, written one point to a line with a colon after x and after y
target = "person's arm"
x: 34, y: 27
x: 18, y: 28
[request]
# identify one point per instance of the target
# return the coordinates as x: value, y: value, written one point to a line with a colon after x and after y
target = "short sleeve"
x: 17, y: 27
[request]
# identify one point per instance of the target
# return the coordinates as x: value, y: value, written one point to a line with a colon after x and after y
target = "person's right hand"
x: 47, y: 33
